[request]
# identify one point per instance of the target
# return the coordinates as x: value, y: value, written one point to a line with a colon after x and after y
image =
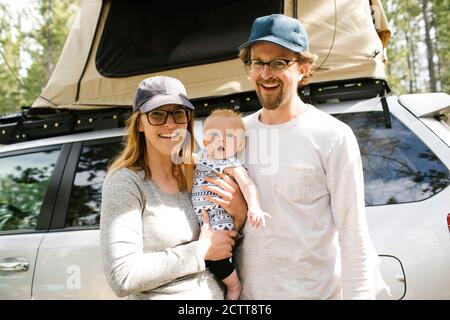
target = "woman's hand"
x: 231, y: 198
x: 220, y: 241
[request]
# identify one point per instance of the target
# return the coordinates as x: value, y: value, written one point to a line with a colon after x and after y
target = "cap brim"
x: 277, y: 41
x: 163, y: 99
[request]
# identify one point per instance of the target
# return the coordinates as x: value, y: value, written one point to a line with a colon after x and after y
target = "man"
x: 307, y: 166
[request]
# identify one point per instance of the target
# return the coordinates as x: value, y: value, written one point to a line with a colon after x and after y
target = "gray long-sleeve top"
x: 149, y: 242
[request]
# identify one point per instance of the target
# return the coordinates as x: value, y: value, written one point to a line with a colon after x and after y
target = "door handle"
x: 14, y: 265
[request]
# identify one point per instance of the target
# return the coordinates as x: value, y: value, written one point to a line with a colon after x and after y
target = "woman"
x: 152, y: 245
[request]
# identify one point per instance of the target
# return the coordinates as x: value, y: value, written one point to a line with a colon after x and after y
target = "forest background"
x: 33, y: 32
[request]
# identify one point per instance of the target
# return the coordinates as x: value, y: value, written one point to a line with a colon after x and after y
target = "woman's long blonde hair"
x: 134, y: 155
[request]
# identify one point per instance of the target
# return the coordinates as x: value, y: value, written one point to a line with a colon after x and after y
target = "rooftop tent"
x: 349, y: 39
x: 114, y: 44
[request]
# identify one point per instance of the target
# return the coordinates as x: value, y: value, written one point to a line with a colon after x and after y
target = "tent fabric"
x: 348, y: 43
x: 380, y: 21
x: 61, y: 88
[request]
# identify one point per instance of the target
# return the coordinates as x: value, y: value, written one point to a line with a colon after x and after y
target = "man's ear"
x: 304, y: 68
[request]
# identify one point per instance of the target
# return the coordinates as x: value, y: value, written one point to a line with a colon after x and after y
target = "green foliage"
x: 441, y: 18
x: 32, y: 54
x: 408, y: 69
x: 10, y: 92
x: 40, y: 47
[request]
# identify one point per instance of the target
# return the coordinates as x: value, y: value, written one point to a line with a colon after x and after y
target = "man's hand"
x: 231, y: 198
x: 220, y: 241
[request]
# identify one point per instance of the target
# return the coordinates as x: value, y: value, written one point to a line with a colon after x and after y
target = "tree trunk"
x: 430, y: 53
x: 410, y: 64
x: 439, y: 64
x: 49, y: 39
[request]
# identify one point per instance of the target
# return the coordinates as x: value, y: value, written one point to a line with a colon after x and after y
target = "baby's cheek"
x: 208, y: 144
x: 232, y: 148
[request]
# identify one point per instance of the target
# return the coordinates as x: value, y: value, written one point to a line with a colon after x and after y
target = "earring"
x: 300, y: 77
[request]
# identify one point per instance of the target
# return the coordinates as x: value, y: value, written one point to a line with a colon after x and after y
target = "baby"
x: 224, y: 137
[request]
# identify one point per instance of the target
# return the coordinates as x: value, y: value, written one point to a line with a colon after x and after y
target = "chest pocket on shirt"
x: 301, y: 184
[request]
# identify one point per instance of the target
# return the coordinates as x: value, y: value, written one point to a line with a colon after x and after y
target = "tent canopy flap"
x: 114, y: 44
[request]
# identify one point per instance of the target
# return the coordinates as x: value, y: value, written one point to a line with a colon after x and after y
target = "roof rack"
x: 343, y: 90
x: 36, y: 123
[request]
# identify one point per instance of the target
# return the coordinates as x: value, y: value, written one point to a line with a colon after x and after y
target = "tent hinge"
x: 295, y: 9
x: 386, y: 112
x: 306, y: 92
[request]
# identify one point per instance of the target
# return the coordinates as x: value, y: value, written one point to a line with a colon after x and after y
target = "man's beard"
x: 272, y: 102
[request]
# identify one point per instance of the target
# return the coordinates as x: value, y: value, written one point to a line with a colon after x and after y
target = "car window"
x: 23, y: 182
x: 85, y: 197
x: 398, y: 166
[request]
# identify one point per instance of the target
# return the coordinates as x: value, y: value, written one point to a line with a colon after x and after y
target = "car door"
x: 69, y: 264
x: 407, y: 187
x: 28, y: 182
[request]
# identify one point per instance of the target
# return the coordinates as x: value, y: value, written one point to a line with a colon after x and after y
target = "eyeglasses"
x: 159, y: 117
x: 275, y: 66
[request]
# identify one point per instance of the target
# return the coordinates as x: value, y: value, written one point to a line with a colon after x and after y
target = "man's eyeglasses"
x: 275, y: 66
x: 159, y: 117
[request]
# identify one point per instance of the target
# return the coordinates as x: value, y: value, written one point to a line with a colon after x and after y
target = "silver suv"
x: 56, y: 153
x: 50, y: 192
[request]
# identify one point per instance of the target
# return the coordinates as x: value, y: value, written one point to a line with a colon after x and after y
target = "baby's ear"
x: 241, y: 137
x: 241, y: 144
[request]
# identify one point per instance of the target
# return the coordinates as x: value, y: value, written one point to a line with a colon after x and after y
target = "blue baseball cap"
x: 279, y: 29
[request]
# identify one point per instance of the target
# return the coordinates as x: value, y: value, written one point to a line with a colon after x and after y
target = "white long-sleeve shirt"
x: 317, y: 245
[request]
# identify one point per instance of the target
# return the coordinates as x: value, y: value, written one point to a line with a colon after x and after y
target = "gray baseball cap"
x: 157, y: 91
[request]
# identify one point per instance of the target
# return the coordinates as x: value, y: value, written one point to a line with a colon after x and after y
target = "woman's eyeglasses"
x: 159, y: 117
x: 275, y: 66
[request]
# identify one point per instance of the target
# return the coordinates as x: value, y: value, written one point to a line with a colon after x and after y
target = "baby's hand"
x: 256, y: 217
